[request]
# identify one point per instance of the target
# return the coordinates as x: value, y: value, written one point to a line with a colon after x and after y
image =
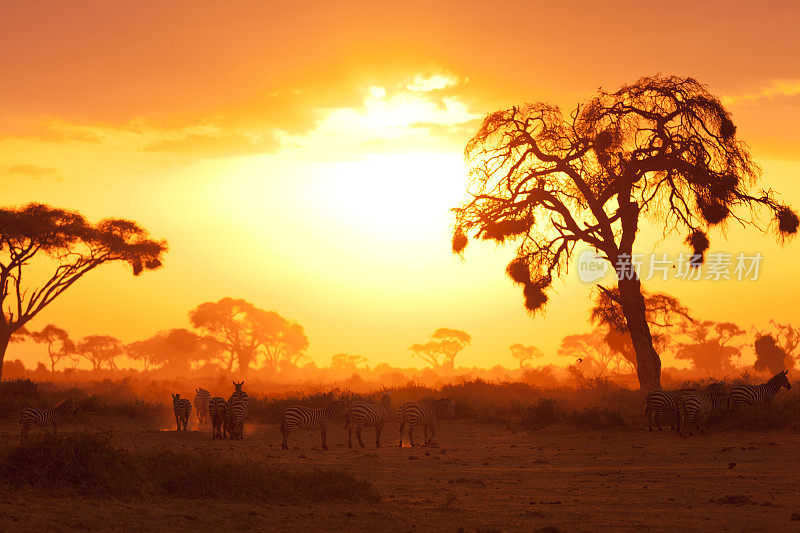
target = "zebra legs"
x: 433, y: 432
x: 322, y: 433
x: 177, y: 422
x: 349, y: 436
x: 285, y: 444
x: 378, y: 430
x: 411, y: 434
x: 358, y: 434
x: 402, y: 424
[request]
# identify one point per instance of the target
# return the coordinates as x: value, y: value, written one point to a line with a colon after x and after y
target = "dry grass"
x: 88, y: 464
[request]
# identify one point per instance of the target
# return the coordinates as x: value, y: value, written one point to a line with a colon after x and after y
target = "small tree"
x: 663, y: 149
x: 524, y: 354
x: 100, y: 350
x: 58, y: 343
x: 442, y: 349
x: 41, y: 238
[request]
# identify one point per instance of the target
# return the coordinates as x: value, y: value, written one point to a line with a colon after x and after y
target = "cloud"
x: 33, y: 171
x: 435, y: 82
x: 208, y: 139
x: 775, y: 89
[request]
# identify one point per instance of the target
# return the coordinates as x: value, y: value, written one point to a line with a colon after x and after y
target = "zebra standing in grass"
x: 238, y: 405
x: 425, y: 414
x: 659, y: 403
x: 218, y: 409
x: 45, y: 417
x: 695, y: 407
x: 201, y: 399
x: 182, y: 409
x: 366, y: 414
x: 309, y: 419
x: 758, y: 394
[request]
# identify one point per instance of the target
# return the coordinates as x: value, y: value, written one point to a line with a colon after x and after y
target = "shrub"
x: 545, y: 412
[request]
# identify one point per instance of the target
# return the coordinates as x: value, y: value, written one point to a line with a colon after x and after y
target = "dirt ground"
x: 479, y: 478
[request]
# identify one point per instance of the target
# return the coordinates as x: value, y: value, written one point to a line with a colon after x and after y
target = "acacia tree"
x: 245, y: 330
x: 38, y: 238
x: 710, y: 345
x: 442, y: 349
x: 174, y: 350
x: 523, y: 353
x: 663, y: 149
x: 100, y: 350
x: 59, y: 345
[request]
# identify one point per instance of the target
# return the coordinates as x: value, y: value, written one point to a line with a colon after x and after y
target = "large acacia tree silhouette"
x: 37, y: 236
x: 663, y: 149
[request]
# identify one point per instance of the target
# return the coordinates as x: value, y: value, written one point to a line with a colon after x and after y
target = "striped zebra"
x: 45, y: 417
x: 660, y: 403
x: 367, y: 414
x: 201, y: 399
x: 309, y: 418
x: 238, y: 405
x: 218, y: 410
x: 695, y: 407
x: 758, y: 394
x: 425, y: 414
x: 182, y: 409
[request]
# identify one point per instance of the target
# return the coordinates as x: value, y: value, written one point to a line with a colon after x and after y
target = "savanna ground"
x: 482, y: 476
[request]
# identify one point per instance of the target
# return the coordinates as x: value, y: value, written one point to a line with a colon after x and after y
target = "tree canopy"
x: 524, y: 354
x: 246, y: 332
x: 38, y: 238
x: 442, y: 349
x: 662, y: 149
x: 100, y: 351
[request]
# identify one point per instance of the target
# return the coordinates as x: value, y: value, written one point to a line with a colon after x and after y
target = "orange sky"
x: 304, y: 155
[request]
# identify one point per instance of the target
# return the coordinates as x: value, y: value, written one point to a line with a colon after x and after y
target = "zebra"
x: 201, y: 399
x: 366, y: 414
x: 695, y: 407
x: 758, y: 394
x: 659, y: 403
x: 218, y: 409
x: 45, y: 417
x: 309, y: 418
x: 182, y: 409
x: 238, y: 405
x: 424, y: 413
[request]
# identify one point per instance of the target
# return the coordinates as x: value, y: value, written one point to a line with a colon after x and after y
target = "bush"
x: 89, y: 465
x: 543, y: 413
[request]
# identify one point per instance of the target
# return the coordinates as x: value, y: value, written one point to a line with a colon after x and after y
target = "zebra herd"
x: 361, y: 414
x: 689, y: 409
x: 686, y: 410
x: 227, y: 417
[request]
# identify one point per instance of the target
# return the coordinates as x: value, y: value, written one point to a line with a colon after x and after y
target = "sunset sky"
x: 305, y: 155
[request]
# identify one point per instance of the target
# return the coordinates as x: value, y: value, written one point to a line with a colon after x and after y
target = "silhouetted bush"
x: 88, y: 464
x: 543, y: 413
x: 18, y: 388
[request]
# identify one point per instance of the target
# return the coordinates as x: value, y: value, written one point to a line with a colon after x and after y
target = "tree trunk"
x: 5, y: 338
x: 648, y: 364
